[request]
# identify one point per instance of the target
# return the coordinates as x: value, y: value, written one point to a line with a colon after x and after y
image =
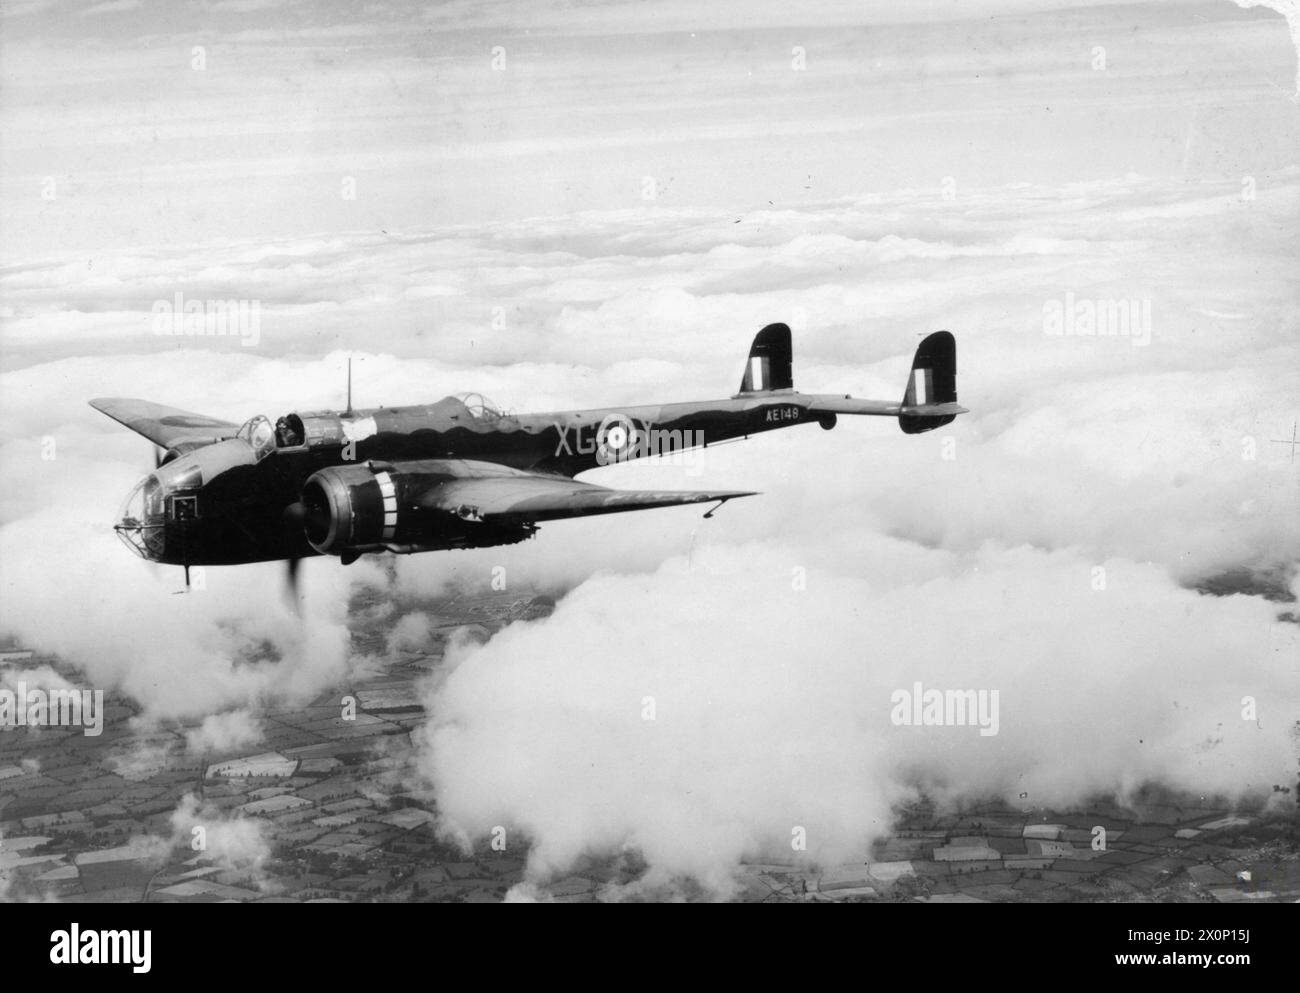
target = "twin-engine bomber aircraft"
x: 453, y: 474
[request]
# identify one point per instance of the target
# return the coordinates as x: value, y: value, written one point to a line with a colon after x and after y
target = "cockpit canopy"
x: 480, y: 407
x: 259, y: 434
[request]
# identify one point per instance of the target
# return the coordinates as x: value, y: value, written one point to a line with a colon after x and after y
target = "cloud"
x: 232, y: 842
x: 181, y: 655
x: 1046, y: 546
x: 699, y: 716
x: 1158, y: 453
x: 411, y: 633
x: 144, y: 754
x: 228, y: 841
x: 224, y: 732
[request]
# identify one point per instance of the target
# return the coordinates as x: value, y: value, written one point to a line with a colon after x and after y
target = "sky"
x: 567, y: 205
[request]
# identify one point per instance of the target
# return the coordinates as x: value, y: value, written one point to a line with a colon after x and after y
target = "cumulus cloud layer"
x: 1045, y: 546
x: 701, y: 715
x: 1152, y: 460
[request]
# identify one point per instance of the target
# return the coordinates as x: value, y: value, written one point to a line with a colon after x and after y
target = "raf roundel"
x: 614, y: 437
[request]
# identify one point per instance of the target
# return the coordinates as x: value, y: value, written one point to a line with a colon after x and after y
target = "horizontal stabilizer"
x: 947, y: 410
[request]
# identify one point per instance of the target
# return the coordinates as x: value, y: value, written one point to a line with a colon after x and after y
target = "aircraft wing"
x: 526, y: 497
x: 164, y: 426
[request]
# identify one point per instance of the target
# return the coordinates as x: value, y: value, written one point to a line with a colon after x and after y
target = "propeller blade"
x: 291, y: 581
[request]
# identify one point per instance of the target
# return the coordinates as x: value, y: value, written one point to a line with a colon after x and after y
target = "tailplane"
x: 929, y: 401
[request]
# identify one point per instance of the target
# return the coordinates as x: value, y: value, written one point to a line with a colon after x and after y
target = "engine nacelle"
x: 347, y: 510
x: 353, y: 508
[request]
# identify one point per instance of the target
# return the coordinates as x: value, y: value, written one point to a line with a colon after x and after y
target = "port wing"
x: 164, y: 426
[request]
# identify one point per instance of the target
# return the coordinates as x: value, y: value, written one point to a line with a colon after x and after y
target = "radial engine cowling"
x: 353, y: 508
